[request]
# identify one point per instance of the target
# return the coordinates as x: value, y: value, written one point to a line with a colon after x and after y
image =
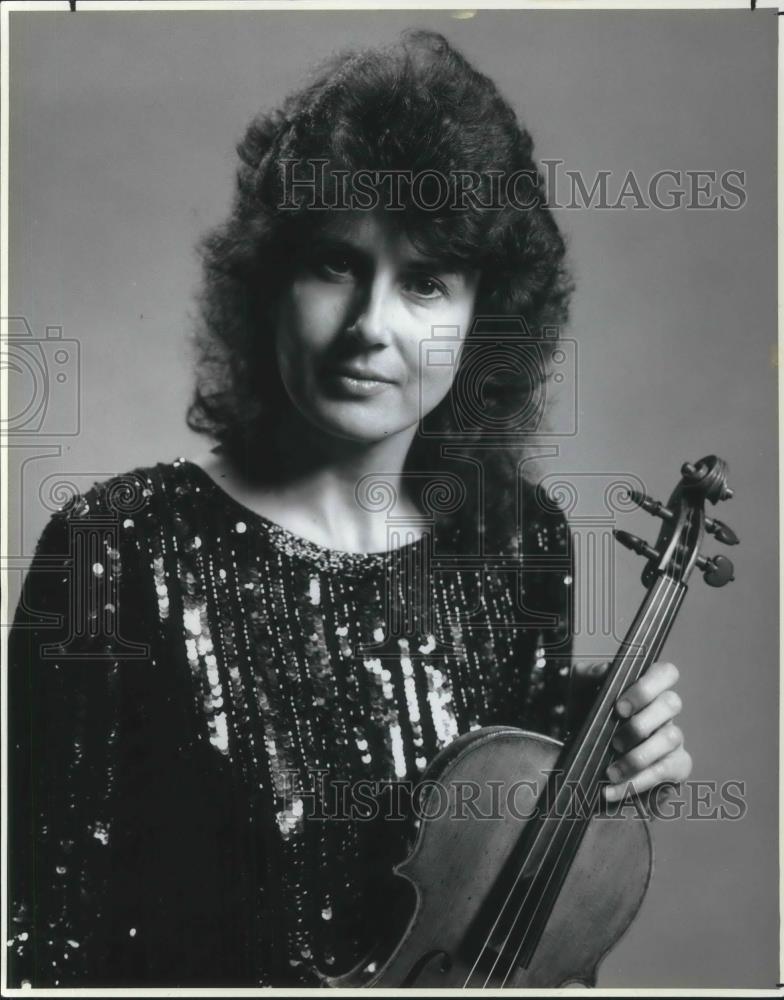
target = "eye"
x: 424, y: 286
x: 334, y: 265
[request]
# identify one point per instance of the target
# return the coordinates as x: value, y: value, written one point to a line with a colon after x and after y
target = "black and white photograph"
x: 390, y: 511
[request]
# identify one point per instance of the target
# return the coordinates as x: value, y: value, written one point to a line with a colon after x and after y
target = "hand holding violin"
x: 649, y: 744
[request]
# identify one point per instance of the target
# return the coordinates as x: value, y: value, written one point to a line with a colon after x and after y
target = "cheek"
x: 440, y: 357
x: 315, y: 312
x: 305, y: 324
x: 435, y: 383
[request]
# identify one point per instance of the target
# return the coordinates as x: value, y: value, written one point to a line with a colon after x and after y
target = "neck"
x: 335, y: 491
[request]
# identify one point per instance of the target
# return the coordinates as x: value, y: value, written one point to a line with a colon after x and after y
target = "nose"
x: 373, y: 317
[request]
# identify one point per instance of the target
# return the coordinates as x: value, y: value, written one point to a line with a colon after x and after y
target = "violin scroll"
x: 685, y: 522
x: 709, y: 476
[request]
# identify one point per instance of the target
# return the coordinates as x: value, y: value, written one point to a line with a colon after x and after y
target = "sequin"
x: 191, y: 619
x: 285, y: 672
x: 101, y: 834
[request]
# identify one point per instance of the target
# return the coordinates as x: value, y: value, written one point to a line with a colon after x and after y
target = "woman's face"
x: 354, y: 325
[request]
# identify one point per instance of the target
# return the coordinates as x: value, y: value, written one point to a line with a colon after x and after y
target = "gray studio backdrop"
x: 122, y: 135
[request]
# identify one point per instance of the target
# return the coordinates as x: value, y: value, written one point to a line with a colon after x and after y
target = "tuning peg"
x: 726, y: 493
x: 721, y: 532
x: 655, y: 507
x: 636, y: 544
x: 717, y: 570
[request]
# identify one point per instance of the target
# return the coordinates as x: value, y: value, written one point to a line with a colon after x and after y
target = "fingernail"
x: 623, y: 708
x: 614, y: 773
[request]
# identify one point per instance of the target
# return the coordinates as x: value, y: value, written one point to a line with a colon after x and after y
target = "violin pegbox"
x: 685, y: 522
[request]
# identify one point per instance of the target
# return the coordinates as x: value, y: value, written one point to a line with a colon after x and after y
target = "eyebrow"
x: 413, y: 262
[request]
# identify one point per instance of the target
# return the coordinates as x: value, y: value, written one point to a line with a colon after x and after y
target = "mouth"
x: 359, y: 374
x: 357, y: 382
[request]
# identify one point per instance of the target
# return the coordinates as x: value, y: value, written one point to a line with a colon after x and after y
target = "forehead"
x: 364, y: 228
x: 379, y: 232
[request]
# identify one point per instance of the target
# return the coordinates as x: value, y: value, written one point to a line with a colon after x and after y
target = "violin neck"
x: 589, y: 753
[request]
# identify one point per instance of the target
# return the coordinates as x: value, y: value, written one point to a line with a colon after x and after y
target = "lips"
x: 360, y: 374
x: 352, y: 382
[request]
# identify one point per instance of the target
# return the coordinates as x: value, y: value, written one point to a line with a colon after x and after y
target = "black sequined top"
x: 197, y: 694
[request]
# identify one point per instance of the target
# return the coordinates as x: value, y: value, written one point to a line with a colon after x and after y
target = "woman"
x: 208, y: 654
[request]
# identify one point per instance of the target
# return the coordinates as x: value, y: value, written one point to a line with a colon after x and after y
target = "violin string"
x: 663, y: 586
x: 569, y: 839
x: 535, y: 887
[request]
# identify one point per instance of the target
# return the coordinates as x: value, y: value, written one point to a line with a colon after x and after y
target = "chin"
x: 363, y: 425
x: 367, y: 433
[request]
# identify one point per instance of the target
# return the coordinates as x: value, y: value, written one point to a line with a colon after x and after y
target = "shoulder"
x: 88, y: 603
x: 139, y: 491
x: 107, y: 530
x: 139, y: 505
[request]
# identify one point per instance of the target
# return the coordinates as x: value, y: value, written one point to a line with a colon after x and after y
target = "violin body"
x: 459, y: 852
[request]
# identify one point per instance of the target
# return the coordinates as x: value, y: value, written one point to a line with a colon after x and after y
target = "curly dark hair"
x: 415, y: 106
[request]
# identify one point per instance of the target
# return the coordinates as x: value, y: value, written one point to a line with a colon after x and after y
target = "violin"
x: 535, y: 883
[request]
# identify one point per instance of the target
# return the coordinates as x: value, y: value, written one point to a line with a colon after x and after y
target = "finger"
x: 658, y: 678
x: 594, y: 671
x: 674, y: 767
x: 644, y: 755
x: 644, y: 723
